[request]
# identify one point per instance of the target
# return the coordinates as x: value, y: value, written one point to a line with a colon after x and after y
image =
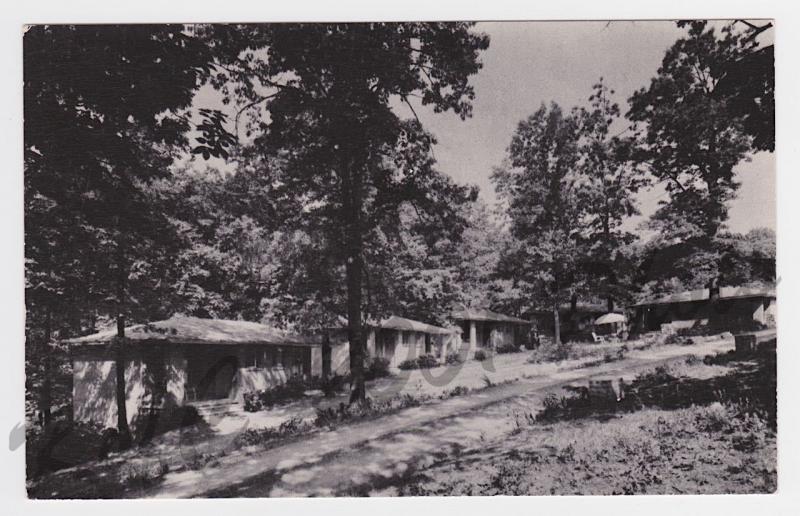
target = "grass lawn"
x: 662, y: 443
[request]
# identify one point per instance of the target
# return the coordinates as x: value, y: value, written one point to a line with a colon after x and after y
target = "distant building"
x: 395, y: 339
x: 575, y: 323
x: 486, y: 329
x: 726, y: 307
x: 187, y: 359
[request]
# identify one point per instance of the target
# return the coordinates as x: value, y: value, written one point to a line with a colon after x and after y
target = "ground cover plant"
x: 697, y: 426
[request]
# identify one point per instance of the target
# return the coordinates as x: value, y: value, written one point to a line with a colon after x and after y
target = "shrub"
x: 289, y: 428
x: 331, y: 416
x: 427, y: 361
x: 673, y: 338
x: 508, y: 348
x: 530, y: 344
x: 458, y: 390
x: 407, y: 365
x: 552, y: 353
x: 421, y: 362
x: 65, y: 444
x: 144, y: 475
x: 330, y: 386
x: 378, y: 367
x: 147, y: 424
x: 614, y: 357
x: 292, y: 390
x: 452, y: 358
x: 481, y: 355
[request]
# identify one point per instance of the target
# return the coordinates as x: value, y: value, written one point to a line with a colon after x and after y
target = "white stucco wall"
x: 94, y: 387
x: 256, y: 379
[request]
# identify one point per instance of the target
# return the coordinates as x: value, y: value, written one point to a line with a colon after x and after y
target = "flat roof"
x: 398, y: 323
x: 401, y: 323
x: 195, y: 330
x: 481, y: 314
x: 702, y: 294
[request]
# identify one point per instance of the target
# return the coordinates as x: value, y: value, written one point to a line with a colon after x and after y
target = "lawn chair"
x: 598, y: 339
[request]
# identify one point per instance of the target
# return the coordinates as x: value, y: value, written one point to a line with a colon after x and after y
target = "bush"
x: 144, y: 475
x: 147, y: 424
x: 66, y: 444
x: 458, y: 390
x: 378, y: 367
x: 673, y: 338
x: 552, y: 353
x: 332, y: 416
x: 421, y: 362
x: 292, y: 390
x: 530, y: 344
x: 427, y: 361
x: 614, y: 357
x: 289, y: 428
x: 481, y: 355
x: 508, y: 348
x: 330, y: 386
x: 452, y: 358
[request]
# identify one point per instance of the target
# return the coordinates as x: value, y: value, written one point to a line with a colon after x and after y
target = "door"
x: 211, y: 373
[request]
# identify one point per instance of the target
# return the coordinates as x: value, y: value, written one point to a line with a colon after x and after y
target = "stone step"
x: 218, y: 409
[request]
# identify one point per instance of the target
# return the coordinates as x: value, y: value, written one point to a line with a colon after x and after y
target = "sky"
x: 529, y: 63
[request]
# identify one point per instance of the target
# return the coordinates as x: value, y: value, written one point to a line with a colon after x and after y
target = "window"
x: 264, y: 359
x: 261, y: 358
x: 251, y: 358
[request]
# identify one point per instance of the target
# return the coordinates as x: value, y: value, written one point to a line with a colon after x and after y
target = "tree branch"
x: 245, y: 108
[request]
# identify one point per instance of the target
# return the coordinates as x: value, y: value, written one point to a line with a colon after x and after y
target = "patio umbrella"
x: 610, y: 319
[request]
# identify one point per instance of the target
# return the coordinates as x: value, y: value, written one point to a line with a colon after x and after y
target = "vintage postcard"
x: 400, y: 259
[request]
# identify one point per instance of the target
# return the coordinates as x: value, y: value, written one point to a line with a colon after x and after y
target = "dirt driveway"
x: 363, y: 456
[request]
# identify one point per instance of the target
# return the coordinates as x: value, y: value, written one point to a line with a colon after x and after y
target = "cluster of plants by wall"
x: 421, y: 362
x: 508, y: 348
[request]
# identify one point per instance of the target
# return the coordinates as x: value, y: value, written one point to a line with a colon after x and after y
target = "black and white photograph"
x: 420, y: 258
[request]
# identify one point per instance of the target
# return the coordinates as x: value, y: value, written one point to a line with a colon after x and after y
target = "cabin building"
x: 576, y: 323
x: 184, y: 360
x: 489, y: 330
x: 726, y: 308
x: 395, y: 339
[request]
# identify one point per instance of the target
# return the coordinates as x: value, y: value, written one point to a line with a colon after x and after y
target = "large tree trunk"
x: 354, y: 270
x: 573, y: 314
x: 125, y: 439
x: 355, y: 330
x: 556, y: 326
